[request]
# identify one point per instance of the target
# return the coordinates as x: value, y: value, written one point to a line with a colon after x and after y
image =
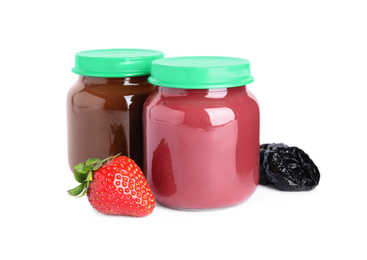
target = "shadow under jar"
x: 201, y: 132
x: 104, y: 106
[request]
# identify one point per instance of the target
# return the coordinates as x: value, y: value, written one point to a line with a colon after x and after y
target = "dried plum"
x: 288, y: 168
x: 263, y: 179
x: 264, y: 149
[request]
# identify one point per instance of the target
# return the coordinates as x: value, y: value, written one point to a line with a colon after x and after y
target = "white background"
x: 309, y: 61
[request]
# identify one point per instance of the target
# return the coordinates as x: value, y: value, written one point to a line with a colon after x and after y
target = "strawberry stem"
x: 83, y: 173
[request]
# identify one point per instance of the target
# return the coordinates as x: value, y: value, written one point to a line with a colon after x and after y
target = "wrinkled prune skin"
x: 264, y: 149
x: 288, y: 168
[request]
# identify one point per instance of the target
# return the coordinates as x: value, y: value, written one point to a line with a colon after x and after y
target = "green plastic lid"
x: 200, y: 72
x: 114, y: 63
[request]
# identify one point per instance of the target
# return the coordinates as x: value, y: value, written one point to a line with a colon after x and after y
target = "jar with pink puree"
x: 201, y: 132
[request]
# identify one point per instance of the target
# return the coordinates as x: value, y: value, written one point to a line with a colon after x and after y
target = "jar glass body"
x: 201, y: 146
x: 104, y: 118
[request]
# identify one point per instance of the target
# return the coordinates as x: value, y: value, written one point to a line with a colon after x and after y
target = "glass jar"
x: 104, y: 106
x: 201, y: 132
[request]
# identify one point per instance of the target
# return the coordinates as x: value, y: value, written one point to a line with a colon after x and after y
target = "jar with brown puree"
x: 104, y: 106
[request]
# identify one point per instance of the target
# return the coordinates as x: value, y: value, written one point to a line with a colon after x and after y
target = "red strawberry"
x: 114, y: 186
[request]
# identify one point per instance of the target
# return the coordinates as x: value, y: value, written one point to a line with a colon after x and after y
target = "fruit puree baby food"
x: 201, y: 132
x: 104, y: 106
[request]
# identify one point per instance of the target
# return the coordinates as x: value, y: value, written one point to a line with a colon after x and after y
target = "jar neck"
x: 104, y: 81
x: 208, y: 93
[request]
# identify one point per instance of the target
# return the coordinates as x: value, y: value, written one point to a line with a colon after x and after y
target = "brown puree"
x: 105, y: 118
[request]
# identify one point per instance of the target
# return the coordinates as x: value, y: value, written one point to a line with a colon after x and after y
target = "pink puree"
x: 201, y: 146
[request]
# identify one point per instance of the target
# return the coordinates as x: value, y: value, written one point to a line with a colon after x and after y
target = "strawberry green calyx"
x: 83, y: 173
